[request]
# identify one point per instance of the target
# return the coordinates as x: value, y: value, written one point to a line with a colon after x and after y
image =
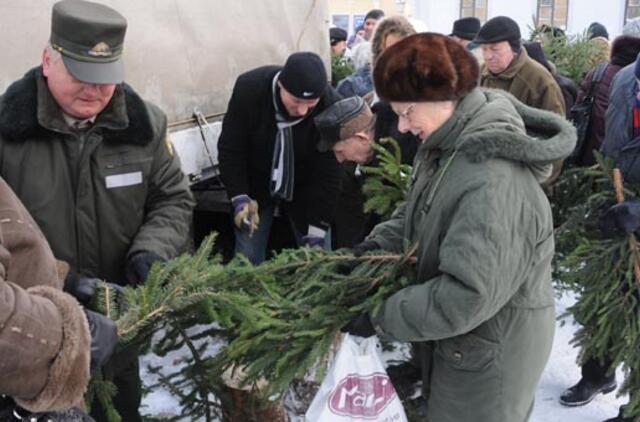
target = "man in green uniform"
x: 93, y: 164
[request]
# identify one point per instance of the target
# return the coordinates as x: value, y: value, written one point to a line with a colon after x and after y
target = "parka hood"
x: 500, y: 126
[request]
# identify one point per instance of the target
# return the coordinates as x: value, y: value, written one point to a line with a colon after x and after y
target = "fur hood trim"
x: 548, y: 137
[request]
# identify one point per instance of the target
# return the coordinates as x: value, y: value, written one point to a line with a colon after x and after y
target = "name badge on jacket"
x: 122, y: 180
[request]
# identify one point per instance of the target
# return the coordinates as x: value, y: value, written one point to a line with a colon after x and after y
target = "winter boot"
x: 585, y: 390
x: 621, y: 418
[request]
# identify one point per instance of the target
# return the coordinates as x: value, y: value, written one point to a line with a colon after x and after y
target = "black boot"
x: 620, y: 418
x: 584, y: 391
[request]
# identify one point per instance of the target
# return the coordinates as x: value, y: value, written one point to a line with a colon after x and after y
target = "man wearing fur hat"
x: 481, y: 307
x: 92, y: 163
x: 269, y: 161
x: 507, y: 66
x: 46, y: 347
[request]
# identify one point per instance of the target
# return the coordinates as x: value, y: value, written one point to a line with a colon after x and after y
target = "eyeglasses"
x: 406, y: 114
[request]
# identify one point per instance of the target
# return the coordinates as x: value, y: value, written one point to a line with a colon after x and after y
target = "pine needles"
x: 279, y: 318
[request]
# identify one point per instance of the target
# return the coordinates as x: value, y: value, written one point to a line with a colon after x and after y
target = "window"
x: 341, y: 21
x: 477, y: 8
x: 555, y: 13
x: 631, y: 10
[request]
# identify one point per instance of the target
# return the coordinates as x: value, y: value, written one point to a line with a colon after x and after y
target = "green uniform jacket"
x: 98, y: 195
x: 484, y: 236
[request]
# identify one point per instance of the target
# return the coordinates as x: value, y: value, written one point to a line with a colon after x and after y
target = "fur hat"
x: 596, y: 29
x: 392, y: 25
x: 624, y: 50
x: 466, y: 28
x: 425, y: 67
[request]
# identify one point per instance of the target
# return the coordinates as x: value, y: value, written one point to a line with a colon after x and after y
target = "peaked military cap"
x: 90, y: 37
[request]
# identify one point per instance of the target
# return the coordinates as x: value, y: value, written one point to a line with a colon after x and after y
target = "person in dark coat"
x: 347, y: 128
x: 93, y: 164
x: 269, y: 161
x: 621, y: 143
x: 567, y: 86
x: 624, y: 51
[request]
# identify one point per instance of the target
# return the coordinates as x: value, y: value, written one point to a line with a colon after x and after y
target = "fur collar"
x: 494, y: 130
x: 125, y: 119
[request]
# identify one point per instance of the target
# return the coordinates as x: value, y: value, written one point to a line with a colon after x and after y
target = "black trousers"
x: 124, y: 370
x: 595, y: 371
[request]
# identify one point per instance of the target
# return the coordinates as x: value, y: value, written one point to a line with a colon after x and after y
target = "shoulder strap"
x: 599, y: 72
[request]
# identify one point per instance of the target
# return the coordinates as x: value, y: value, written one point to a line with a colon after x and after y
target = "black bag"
x: 581, y: 116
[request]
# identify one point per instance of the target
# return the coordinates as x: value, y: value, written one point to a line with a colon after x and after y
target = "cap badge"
x: 307, y: 94
x: 101, y: 49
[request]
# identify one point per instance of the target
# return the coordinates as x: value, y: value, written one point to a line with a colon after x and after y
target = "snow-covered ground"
x: 560, y: 373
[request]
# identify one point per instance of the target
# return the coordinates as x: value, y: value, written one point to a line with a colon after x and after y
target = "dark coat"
x: 44, y: 340
x: 247, y: 141
x: 598, y: 110
x: 619, y: 114
x: 123, y: 192
x: 623, y: 52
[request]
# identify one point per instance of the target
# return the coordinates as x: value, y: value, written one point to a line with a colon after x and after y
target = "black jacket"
x: 246, y: 144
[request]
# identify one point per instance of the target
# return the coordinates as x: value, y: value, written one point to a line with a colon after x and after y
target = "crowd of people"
x: 479, y: 113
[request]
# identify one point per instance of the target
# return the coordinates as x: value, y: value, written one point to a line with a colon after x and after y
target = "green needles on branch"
x: 279, y: 318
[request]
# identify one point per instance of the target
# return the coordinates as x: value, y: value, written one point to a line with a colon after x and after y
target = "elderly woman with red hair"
x: 482, y: 308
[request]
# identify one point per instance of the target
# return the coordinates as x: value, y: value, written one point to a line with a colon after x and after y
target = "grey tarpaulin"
x: 180, y: 54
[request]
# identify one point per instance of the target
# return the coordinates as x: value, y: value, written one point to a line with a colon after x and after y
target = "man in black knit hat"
x: 269, y: 160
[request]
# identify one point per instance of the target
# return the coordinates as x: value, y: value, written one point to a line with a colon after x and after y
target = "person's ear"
x: 46, y: 62
x: 363, y: 137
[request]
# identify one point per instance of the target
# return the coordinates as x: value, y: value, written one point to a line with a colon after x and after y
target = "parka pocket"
x: 466, y: 381
x: 468, y: 352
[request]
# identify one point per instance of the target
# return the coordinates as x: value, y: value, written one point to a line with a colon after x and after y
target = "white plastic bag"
x: 357, y: 387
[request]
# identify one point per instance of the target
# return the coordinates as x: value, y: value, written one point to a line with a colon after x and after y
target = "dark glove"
x: 245, y: 213
x: 620, y: 219
x: 104, y: 338
x: 139, y: 265
x: 83, y: 288
x: 360, y: 325
x: 365, y: 246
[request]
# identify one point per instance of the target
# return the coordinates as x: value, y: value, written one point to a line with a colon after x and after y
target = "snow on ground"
x: 560, y: 373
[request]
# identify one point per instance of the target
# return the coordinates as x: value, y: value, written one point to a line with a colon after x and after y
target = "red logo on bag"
x: 362, y: 396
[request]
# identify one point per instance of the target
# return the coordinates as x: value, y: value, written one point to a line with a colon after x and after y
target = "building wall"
x: 440, y: 14
x: 361, y: 7
x: 583, y: 12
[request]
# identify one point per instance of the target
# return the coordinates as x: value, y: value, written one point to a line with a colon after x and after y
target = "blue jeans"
x: 255, y: 247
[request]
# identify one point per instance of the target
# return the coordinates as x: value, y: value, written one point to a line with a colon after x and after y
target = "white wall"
x: 440, y: 14
x: 521, y: 11
x: 583, y: 12
x: 437, y: 15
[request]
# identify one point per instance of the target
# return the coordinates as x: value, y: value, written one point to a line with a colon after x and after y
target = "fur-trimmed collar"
x: 494, y: 130
x: 125, y: 119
